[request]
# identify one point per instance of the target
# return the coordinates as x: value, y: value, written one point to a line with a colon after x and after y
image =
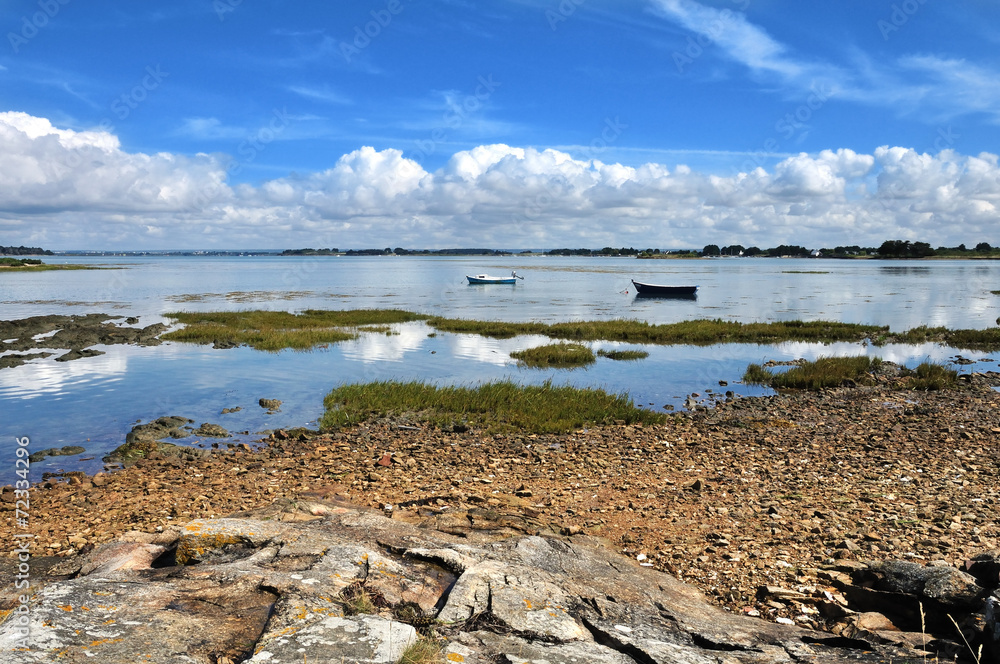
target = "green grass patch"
x: 757, y: 375
x: 696, y: 332
x: 930, y: 376
x: 555, y: 355
x: 623, y: 355
x: 821, y: 373
x: 838, y: 371
x: 277, y: 330
x: 494, y: 407
x: 988, y: 339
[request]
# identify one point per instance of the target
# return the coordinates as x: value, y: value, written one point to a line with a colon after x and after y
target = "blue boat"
x: 487, y: 279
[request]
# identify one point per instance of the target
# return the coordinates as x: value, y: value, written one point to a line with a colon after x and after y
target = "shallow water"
x: 94, y: 402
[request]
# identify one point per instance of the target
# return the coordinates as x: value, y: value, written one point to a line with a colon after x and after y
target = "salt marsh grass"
x: 623, y: 355
x: 277, y: 330
x: 930, y: 376
x: 274, y: 330
x: 555, y: 355
x: 34, y: 265
x: 500, y: 406
x: 821, y: 373
x: 697, y: 332
x: 838, y: 371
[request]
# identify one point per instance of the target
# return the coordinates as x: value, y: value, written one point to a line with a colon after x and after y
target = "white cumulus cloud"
x: 63, y: 189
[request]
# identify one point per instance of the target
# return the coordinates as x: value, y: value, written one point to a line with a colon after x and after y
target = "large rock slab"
x: 276, y: 591
x: 368, y: 639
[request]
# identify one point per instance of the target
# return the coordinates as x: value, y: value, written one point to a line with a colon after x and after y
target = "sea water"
x: 94, y: 402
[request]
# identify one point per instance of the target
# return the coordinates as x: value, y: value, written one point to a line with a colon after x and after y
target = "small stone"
x: 270, y: 404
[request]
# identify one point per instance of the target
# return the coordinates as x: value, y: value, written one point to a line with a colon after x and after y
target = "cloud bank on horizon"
x: 422, y: 164
x: 83, y: 186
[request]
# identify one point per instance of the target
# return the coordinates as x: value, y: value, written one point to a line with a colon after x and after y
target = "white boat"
x: 487, y: 279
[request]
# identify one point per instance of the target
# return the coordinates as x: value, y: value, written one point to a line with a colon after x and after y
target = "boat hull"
x: 491, y: 280
x: 664, y: 291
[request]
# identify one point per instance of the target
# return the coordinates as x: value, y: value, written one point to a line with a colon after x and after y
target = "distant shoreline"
x: 433, y: 253
x: 32, y: 265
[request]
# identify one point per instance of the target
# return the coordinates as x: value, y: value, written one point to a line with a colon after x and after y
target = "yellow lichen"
x: 193, y: 547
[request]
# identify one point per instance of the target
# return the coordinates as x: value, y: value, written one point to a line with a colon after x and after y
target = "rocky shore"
x: 772, y: 507
x: 74, y: 334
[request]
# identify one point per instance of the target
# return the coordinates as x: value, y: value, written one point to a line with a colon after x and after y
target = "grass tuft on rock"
x: 278, y: 330
x: 421, y: 651
x: 555, y: 355
x: 494, y: 407
x: 358, y: 600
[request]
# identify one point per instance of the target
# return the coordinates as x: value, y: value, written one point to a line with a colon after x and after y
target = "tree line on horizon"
x: 888, y: 249
x: 24, y: 251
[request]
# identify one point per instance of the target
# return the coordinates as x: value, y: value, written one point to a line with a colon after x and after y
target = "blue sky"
x: 513, y: 123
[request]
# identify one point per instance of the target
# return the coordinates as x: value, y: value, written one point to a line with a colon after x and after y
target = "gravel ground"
x: 753, y: 492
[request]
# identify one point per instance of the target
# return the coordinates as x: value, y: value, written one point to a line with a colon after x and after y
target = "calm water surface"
x: 94, y: 402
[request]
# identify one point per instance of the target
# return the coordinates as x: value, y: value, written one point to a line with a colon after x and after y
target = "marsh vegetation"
x: 827, y: 372
x: 623, y: 355
x: 494, y: 407
x: 275, y: 330
x: 555, y: 355
x: 8, y: 264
